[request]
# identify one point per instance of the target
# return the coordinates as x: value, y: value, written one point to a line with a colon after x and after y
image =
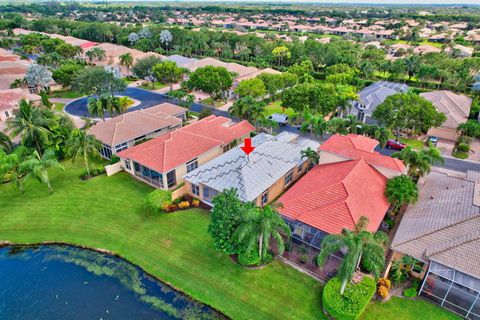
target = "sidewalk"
x: 226, y: 106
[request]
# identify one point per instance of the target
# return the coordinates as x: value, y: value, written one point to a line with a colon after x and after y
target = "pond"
x: 62, y: 282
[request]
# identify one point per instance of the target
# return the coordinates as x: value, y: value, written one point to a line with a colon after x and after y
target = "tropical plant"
x: 354, y: 243
x: 96, y: 108
x: 401, y: 190
x: 96, y: 54
x: 311, y: 155
x: 315, y: 124
x: 126, y: 60
x: 10, y: 164
x: 166, y: 38
x: 419, y: 162
x: 247, y: 108
x: 5, y: 142
x: 338, y: 125
x: 354, y: 125
x: 83, y: 145
x: 30, y: 124
x: 258, y: 226
x: 36, y: 166
x: 38, y: 76
x: 168, y: 72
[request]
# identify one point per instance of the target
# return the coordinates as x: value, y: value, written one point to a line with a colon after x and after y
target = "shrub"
x: 195, y: 203
x: 158, y: 200
x: 184, y: 205
x: 384, y: 282
x: 463, y: 147
x: 303, y: 257
x: 382, y: 292
x: 205, y: 113
x: 114, y: 159
x: 249, y: 258
x: 352, y: 303
x: 410, y: 292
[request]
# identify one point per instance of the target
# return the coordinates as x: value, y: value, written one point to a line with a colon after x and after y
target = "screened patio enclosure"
x: 304, y: 247
x: 453, y: 290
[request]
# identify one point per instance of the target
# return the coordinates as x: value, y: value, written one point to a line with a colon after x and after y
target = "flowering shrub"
x: 384, y: 282
x: 184, y: 205
x: 195, y: 203
x: 382, y: 292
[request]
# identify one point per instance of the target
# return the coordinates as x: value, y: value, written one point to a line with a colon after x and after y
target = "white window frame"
x: 289, y: 177
x: 189, y: 164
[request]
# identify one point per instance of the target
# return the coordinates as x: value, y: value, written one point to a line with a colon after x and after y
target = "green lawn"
x: 212, y: 103
x: 414, y: 143
x: 276, y: 107
x: 107, y: 212
x: 397, y: 308
x: 69, y: 94
x: 147, y: 85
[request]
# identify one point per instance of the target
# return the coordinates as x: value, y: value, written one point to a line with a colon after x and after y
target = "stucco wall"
x: 114, y: 168
x: 327, y: 157
x: 443, y: 133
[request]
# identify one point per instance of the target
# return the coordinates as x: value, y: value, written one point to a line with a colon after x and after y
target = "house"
x: 461, y: 51
x: 455, y: 106
x: 164, y: 160
x: 181, y: 61
x: 9, y: 99
x: 274, y: 165
x: 442, y: 232
x: 425, y: 49
x: 372, y: 96
x: 348, y: 183
x: 11, y: 68
x: 126, y: 130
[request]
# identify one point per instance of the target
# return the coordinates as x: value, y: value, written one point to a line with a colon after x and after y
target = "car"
x: 395, y: 144
x: 432, y: 140
x: 280, y: 118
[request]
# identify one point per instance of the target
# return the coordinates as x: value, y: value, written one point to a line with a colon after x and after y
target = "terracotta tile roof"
x: 334, y: 196
x: 455, y: 106
x: 231, y: 67
x: 174, y: 148
x: 9, y: 98
x: 137, y: 123
x: 354, y: 146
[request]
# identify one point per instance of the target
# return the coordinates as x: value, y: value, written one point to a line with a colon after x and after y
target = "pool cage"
x: 453, y: 290
x: 304, y: 247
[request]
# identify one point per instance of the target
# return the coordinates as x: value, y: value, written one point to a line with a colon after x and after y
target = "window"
x: 127, y: 164
x: 171, y: 179
x: 226, y: 148
x: 142, y: 138
x: 106, y: 151
x: 7, y: 114
x: 209, y: 193
x: 192, y: 165
x: 195, y: 190
x: 264, y: 198
x: 300, y: 167
x: 120, y: 147
x: 288, y: 177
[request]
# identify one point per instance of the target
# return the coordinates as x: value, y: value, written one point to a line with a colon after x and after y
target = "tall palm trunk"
x: 85, y: 160
x: 260, y: 245
x: 344, y: 285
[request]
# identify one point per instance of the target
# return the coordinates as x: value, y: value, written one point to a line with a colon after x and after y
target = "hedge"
x: 158, y: 199
x: 352, y: 303
x: 251, y: 258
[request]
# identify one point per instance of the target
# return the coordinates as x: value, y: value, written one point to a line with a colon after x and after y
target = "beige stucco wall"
x: 388, y: 173
x: 113, y: 168
x: 327, y: 157
x: 3, y: 115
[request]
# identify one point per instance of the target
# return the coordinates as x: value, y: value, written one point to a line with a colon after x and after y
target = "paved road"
x: 148, y: 99
x: 450, y: 162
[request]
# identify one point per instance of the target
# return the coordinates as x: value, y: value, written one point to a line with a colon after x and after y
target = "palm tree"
x: 354, y: 242
x: 401, y: 190
x: 126, y: 60
x: 81, y: 144
x: 338, y: 125
x: 382, y: 134
x: 123, y: 103
x: 418, y: 162
x: 96, y: 107
x: 313, y: 123
x: 267, y: 124
x: 37, y: 166
x: 258, y: 226
x: 353, y: 123
x: 11, y: 164
x: 5, y: 142
x: 30, y: 124
x: 311, y: 155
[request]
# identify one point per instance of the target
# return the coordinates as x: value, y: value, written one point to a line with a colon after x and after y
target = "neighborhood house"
x: 126, y: 130
x: 274, y: 165
x: 163, y: 161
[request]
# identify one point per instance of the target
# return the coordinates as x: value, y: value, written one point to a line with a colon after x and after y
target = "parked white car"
x: 280, y: 118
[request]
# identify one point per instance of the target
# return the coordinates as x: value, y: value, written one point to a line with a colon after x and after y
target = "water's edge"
x: 114, y: 254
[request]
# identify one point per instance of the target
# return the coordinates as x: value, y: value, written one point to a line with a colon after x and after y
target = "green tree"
x: 96, y: 107
x: 5, y: 142
x: 311, y: 155
x: 355, y: 243
x: 143, y: 68
x: 408, y: 111
x: 30, y: 124
x: 83, y: 145
x: 11, y: 164
x: 315, y: 124
x: 126, y: 60
x: 469, y: 128
x: 258, y: 226
x: 338, y: 125
x: 36, y: 166
x: 67, y: 73
x: 168, y: 72
x: 212, y: 80
x: 302, y: 68
x: 224, y: 220
x: 401, y: 190
x: 247, y: 108
x: 282, y: 54
x: 98, y: 81
x: 254, y: 88
x: 96, y: 54
x: 273, y: 83
x: 419, y: 163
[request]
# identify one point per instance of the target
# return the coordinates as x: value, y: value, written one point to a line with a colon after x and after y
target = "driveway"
x: 147, y: 99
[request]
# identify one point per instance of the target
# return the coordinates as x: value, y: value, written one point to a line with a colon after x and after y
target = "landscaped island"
x: 108, y: 213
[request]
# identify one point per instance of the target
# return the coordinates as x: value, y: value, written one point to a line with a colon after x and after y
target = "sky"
x: 417, y: 2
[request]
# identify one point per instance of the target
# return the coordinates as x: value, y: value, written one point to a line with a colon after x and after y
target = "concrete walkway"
x: 226, y: 106
x: 63, y: 100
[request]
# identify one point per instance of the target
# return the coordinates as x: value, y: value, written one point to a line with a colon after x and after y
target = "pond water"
x: 61, y: 282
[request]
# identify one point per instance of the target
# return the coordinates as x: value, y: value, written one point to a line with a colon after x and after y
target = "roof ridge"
x: 116, y: 128
x: 319, y: 190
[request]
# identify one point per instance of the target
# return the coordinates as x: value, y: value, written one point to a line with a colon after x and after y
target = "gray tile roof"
x: 181, y: 61
x: 272, y: 158
x: 373, y: 95
x: 444, y: 225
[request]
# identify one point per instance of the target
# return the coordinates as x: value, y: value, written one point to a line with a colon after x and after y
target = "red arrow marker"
x: 247, y: 147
